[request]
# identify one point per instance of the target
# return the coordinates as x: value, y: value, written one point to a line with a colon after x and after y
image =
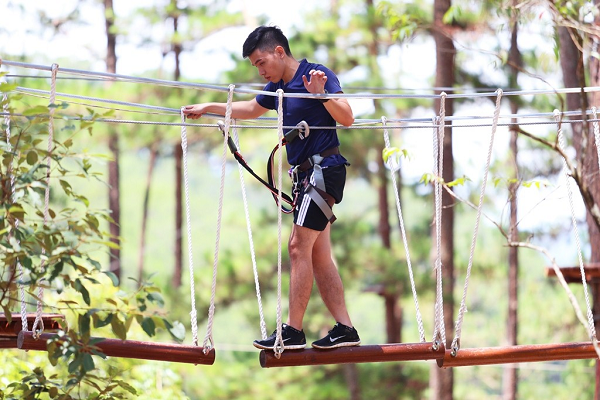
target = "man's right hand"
x: 194, y: 111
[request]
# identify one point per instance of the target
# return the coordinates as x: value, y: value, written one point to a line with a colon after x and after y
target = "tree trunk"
x: 510, y: 374
x: 151, y: 164
x: 591, y: 164
x: 442, y: 380
x: 113, y: 145
x: 178, y: 154
x: 587, y: 159
x: 177, y: 274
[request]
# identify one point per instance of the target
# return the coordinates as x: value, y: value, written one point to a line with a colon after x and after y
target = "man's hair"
x: 265, y: 38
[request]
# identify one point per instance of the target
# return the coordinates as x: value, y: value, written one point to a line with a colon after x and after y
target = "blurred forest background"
x: 116, y: 239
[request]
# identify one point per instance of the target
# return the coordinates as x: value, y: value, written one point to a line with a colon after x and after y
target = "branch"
x: 565, y: 286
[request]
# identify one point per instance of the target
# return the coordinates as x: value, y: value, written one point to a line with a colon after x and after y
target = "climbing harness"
x: 301, y: 131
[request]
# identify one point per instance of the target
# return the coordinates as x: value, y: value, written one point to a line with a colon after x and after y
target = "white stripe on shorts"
x: 303, y: 209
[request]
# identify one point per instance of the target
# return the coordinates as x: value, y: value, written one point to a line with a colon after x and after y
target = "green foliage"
x: 53, y: 244
x: 405, y: 19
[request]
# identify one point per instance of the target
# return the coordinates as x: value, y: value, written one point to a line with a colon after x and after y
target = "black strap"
x: 302, y: 131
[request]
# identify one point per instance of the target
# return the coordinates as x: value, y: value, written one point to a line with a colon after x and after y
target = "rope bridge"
x: 35, y: 339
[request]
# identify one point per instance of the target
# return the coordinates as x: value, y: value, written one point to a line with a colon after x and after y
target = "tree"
x: 113, y: 145
x: 510, y: 377
x: 57, y: 253
x: 442, y: 380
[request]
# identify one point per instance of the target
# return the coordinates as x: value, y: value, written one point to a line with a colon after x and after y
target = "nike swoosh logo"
x: 332, y: 339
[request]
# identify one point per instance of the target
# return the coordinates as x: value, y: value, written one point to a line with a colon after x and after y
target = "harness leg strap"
x: 315, y: 195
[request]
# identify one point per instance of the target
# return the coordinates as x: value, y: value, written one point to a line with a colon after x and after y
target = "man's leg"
x: 300, y: 248
x: 328, y: 278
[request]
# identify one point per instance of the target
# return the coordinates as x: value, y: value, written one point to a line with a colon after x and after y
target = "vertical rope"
x: 193, y: 312
x: 52, y: 108
x: 263, y: 326
x: 5, y: 108
x: 439, y: 332
x: 596, y: 134
x: 211, y: 310
x: 279, y: 346
x: 461, y: 312
x: 561, y: 145
x: 393, y: 168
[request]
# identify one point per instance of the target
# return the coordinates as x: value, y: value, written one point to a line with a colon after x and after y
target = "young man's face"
x: 270, y: 64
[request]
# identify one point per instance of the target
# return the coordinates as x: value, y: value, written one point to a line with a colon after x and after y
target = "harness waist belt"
x: 306, y: 165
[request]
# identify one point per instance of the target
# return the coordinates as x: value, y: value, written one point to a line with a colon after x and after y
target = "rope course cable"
x: 561, y: 144
x: 279, y: 345
x: 391, y: 158
x: 38, y: 319
x: 211, y: 310
x: 439, y: 327
x: 21, y: 272
x: 241, y: 90
x: 263, y: 327
x: 461, y: 312
x: 186, y: 189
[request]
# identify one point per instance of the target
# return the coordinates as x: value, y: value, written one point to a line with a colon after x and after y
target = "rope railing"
x: 366, y: 123
x: 164, y: 82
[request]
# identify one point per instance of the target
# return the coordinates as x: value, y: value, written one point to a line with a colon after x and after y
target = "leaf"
x: 99, y: 322
x: 118, y: 328
x: 74, y: 365
x: 113, y: 277
x: 7, y: 87
x: 36, y: 111
x: 177, y: 330
x: 148, y: 326
x: 88, y: 363
x: 7, y: 313
x: 128, y: 387
x: 32, y: 157
x: 83, y: 290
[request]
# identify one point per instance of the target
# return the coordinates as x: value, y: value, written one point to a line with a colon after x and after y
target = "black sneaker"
x: 340, y: 336
x: 293, y: 339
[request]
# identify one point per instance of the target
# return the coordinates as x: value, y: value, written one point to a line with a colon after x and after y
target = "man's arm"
x: 239, y: 109
x: 339, y: 109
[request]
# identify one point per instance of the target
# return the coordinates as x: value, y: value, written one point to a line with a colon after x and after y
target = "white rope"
x: 211, y: 311
x: 186, y: 186
x: 596, y: 134
x: 263, y: 326
x: 463, y: 308
x: 590, y: 316
x: 24, y: 323
x: 394, y: 165
x: 439, y: 328
x: 38, y: 317
x: 279, y: 346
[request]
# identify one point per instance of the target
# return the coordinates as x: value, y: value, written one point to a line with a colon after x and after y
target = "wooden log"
x: 573, y: 274
x: 8, y: 343
x: 11, y: 329
x: 518, y: 354
x: 131, y: 349
x: 352, y: 355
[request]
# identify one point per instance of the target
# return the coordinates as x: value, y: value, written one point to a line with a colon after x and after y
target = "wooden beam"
x: 518, y: 354
x: 11, y: 329
x: 573, y: 274
x: 8, y: 343
x: 352, y: 355
x: 131, y: 349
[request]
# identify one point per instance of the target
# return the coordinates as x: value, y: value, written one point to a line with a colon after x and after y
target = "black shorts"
x: 307, y: 213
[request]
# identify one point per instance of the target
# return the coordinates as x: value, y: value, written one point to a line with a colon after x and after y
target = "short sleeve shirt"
x: 312, y: 111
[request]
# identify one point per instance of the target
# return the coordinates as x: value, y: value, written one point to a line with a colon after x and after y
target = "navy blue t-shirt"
x: 310, y: 110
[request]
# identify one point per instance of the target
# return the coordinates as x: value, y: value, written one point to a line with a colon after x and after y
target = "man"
x: 319, y: 174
